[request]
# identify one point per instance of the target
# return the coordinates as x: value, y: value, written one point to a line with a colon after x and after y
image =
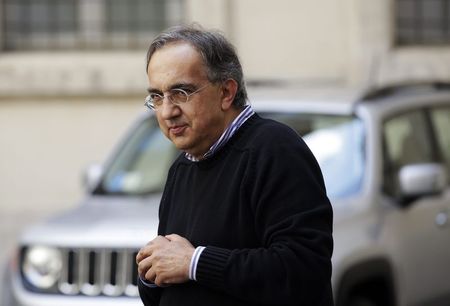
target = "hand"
x: 165, y: 260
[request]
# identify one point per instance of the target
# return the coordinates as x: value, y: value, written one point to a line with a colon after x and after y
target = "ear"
x: 229, y: 89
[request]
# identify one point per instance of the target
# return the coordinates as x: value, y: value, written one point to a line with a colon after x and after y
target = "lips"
x: 177, y: 130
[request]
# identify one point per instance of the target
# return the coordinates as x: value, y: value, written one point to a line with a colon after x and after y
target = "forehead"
x: 174, y: 63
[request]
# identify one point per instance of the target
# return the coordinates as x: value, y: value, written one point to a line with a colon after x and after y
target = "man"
x: 244, y: 217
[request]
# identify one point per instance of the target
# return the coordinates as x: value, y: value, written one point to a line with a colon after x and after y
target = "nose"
x: 168, y: 110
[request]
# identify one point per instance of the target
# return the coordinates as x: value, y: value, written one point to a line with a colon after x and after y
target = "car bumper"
x: 14, y: 294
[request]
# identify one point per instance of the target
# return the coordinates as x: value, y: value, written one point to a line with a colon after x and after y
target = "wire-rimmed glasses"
x: 176, y: 96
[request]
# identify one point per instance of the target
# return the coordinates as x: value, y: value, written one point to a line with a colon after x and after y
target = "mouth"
x: 177, y: 130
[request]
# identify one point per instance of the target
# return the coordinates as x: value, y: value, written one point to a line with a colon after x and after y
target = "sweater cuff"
x: 211, y: 265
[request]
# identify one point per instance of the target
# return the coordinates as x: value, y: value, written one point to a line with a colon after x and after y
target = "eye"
x: 156, y: 98
x: 178, y: 95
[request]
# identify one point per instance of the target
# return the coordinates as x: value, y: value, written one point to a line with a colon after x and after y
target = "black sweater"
x: 260, y: 208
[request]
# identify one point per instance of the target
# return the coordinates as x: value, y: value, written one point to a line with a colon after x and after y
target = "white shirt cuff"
x: 194, y: 261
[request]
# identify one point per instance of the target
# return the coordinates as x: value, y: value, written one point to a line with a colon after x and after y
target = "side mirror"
x: 420, y: 180
x: 91, y: 176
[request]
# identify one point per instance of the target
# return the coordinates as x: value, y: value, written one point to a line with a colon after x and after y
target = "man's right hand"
x: 165, y: 260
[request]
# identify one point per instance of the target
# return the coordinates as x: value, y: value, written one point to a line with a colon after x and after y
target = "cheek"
x: 205, y: 117
x: 162, y: 126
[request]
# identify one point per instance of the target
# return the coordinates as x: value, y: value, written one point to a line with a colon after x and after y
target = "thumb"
x: 173, y: 237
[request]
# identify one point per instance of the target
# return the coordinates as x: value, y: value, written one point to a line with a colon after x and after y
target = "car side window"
x: 440, y: 117
x: 406, y: 141
x: 141, y: 165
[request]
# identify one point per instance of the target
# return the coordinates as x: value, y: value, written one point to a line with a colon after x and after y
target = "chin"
x: 180, y: 145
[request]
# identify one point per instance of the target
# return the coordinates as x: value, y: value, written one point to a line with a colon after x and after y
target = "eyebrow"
x: 174, y: 86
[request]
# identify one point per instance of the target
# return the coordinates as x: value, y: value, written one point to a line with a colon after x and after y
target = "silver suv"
x: 385, y: 159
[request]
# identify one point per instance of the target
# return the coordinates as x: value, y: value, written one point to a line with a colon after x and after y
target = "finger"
x: 179, y: 240
x: 160, y: 239
x: 144, y: 266
x: 150, y: 247
x: 140, y: 255
x: 143, y: 253
x: 150, y: 275
x: 164, y: 279
x: 161, y: 281
x: 174, y: 237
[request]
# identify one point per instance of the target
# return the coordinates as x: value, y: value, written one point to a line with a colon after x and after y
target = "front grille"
x: 92, y: 272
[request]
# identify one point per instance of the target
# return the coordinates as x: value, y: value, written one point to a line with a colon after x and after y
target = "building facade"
x: 77, y: 47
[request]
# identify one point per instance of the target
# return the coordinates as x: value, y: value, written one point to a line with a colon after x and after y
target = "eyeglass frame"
x: 151, y: 105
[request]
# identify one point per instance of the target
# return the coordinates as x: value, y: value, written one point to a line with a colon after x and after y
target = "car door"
x: 419, y: 247
x: 440, y: 119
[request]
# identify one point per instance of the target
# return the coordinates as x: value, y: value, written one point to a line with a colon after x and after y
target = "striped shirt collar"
x: 246, y: 113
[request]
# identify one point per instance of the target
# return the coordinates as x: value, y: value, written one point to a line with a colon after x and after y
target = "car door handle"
x: 441, y: 219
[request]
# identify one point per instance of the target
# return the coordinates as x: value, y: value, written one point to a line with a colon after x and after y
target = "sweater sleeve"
x: 150, y: 295
x: 293, y: 219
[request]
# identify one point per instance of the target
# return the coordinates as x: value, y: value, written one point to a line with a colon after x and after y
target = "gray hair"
x: 219, y: 55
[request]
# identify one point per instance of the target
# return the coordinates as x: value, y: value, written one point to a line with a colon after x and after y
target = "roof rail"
x: 391, y: 89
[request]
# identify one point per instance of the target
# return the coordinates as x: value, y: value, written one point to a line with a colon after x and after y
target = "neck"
x: 228, y: 118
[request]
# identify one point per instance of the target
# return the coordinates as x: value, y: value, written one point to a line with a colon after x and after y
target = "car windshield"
x: 142, y: 163
x: 337, y: 142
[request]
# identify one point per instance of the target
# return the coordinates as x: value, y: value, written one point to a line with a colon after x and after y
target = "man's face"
x: 193, y: 126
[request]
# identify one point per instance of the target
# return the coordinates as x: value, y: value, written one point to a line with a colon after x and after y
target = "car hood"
x: 100, y: 221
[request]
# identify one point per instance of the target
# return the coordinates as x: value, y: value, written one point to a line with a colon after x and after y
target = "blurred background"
x: 72, y: 73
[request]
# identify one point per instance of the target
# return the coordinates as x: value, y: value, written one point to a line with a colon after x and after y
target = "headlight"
x: 42, y: 266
